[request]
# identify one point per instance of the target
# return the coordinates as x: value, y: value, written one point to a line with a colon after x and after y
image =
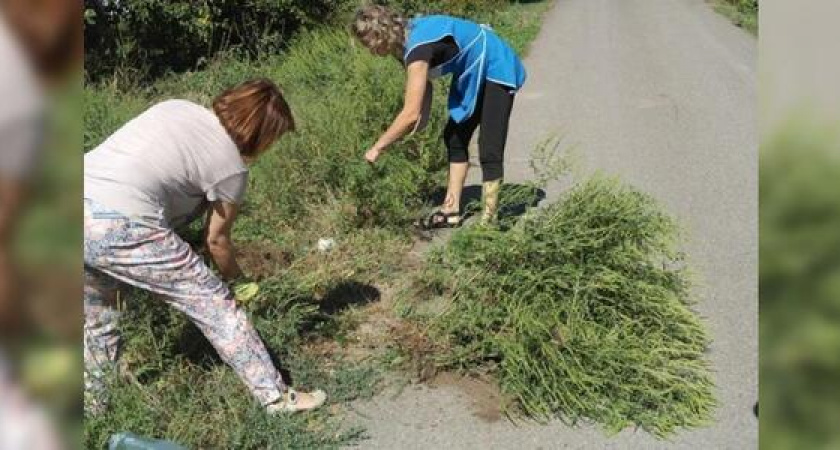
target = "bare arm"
x: 219, y: 242
x: 415, y: 89
x: 426, y: 111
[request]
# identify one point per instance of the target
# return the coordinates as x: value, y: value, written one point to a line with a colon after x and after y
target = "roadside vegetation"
x: 743, y: 13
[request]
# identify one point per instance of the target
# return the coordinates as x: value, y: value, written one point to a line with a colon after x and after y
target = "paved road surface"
x: 662, y: 92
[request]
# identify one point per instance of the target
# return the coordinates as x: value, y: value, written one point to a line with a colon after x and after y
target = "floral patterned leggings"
x: 118, y: 250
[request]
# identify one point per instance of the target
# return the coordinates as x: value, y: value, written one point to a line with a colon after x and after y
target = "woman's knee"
x: 456, y: 152
x: 456, y: 147
x: 458, y: 155
x: 491, y: 156
x: 492, y: 171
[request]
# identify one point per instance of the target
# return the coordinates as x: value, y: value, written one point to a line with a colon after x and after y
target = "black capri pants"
x: 492, y: 112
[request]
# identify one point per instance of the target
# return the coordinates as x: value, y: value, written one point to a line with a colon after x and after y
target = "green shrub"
x: 745, y: 5
x: 151, y: 37
x: 144, y: 39
x: 460, y: 8
x: 579, y: 312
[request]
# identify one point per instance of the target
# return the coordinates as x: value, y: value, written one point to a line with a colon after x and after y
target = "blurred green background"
x: 800, y: 286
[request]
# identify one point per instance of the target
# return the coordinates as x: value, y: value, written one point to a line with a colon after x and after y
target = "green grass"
x: 520, y: 23
x: 580, y: 310
x: 313, y: 184
x: 743, y: 13
x: 176, y: 387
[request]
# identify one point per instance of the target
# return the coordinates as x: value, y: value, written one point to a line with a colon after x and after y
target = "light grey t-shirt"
x: 164, y: 166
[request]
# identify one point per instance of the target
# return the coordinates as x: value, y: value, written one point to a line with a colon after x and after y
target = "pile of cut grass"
x: 580, y: 312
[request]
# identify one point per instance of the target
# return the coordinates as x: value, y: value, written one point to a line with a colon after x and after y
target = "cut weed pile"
x: 580, y: 312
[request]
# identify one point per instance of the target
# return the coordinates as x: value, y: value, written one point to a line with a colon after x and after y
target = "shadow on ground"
x: 348, y: 293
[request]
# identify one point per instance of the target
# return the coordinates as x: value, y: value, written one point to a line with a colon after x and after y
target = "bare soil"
x: 262, y: 260
x: 485, y: 399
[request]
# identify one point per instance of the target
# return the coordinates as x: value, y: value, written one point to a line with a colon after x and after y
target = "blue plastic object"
x: 130, y: 441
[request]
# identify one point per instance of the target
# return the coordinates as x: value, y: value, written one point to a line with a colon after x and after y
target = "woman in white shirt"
x: 159, y: 171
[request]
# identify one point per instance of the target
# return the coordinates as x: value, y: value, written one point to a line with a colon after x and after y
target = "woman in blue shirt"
x: 486, y: 73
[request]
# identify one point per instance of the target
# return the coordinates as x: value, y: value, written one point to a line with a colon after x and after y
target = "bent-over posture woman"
x: 165, y: 168
x: 486, y: 73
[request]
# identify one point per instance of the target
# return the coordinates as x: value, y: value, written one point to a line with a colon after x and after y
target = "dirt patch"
x: 262, y: 260
x: 484, y: 395
x: 378, y: 330
x: 409, y: 337
x: 418, y: 348
x: 369, y: 337
x: 371, y: 326
x: 423, y: 242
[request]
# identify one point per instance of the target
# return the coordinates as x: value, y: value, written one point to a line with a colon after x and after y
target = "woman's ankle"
x: 449, y: 209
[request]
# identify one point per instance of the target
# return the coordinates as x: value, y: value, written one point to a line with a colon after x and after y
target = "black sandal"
x: 440, y: 219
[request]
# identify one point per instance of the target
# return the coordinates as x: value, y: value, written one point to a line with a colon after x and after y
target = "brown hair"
x: 255, y: 114
x: 375, y: 25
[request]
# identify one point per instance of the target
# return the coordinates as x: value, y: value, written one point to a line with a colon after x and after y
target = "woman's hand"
x: 372, y: 155
x: 219, y: 242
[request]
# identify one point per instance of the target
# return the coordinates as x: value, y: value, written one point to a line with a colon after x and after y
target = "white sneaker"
x: 294, y: 401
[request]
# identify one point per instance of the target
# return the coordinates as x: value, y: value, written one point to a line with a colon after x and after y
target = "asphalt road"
x: 662, y: 93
